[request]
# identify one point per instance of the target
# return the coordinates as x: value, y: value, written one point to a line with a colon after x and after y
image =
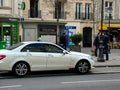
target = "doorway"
x: 87, y: 37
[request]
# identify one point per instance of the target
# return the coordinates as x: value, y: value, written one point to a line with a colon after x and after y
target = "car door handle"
x: 28, y: 54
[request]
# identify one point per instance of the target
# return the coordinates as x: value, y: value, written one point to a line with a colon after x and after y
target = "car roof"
x: 28, y: 42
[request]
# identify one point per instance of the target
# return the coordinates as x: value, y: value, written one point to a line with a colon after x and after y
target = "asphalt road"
x: 98, y: 70
x: 63, y: 82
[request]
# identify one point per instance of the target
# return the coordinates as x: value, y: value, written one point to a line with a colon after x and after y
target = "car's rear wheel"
x: 83, y: 67
x: 21, y: 69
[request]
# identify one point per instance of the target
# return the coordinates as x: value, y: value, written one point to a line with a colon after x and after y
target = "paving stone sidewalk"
x: 114, y: 58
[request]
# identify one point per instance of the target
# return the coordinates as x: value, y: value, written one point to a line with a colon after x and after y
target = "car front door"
x: 56, y: 60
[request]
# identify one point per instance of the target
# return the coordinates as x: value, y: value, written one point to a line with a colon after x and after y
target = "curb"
x: 99, y: 66
x: 108, y: 72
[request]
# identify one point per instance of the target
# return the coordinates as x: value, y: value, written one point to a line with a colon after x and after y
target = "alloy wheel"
x: 83, y: 67
x: 21, y: 69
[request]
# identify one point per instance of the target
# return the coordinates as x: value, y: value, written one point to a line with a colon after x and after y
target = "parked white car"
x: 42, y: 56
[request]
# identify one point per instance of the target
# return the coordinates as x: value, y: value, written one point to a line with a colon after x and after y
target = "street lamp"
x: 55, y: 4
x: 101, y: 55
x: 58, y: 31
x: 110, y: 12
x: 102, y: 14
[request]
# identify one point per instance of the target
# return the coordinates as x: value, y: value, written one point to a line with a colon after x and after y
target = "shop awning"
x: 105, y: 26
x: 114, y: 25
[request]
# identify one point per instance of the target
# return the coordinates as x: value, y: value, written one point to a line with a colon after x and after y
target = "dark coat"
x: 106, y: 40
x: 96, y: 41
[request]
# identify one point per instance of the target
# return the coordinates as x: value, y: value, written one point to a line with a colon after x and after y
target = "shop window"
x: 59, y: 7
x: 6, y: 30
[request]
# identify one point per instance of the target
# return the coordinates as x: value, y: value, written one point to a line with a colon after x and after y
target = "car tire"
x: 82, y: 67
x: 21, y: 69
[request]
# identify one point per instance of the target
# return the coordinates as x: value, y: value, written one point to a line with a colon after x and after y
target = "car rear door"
x: 35, y: 56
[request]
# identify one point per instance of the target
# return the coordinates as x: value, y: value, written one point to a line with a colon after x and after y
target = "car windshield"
x: 14, y: 46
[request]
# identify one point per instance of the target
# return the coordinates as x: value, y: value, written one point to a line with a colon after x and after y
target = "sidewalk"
x: 114, y: 58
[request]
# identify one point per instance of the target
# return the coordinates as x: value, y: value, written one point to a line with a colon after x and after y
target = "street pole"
x: 102, y: 15
x: 101, y: 49
x: 109, y: 23
x: 110, y: 10
x: 58, y: 33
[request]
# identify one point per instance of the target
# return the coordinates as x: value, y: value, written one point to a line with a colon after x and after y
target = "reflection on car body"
x: 42, y: 56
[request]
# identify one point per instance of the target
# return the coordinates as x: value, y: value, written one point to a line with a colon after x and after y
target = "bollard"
x: 101, y: 52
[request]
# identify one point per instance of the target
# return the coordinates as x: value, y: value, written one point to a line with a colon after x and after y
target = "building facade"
x: 27, y: 20
x: 41, y: 18
x: 10, y: 13
x: 111, y: 19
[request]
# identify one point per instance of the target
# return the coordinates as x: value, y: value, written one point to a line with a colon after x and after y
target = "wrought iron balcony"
x: 61, y: 15
x: 84, y: 16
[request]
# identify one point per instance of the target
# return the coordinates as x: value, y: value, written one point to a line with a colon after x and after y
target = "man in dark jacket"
x: 63, y: 40
x: 106, y: 45
x: 96, y: 43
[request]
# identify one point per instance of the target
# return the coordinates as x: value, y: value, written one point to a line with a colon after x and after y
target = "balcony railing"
x: 34, y: 14
x: 61, y: 15
x: 84, y: 16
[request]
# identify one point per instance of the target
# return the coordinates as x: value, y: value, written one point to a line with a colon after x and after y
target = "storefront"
x: 9, y: 34
x: 46, y: 31
x: 114, y: 34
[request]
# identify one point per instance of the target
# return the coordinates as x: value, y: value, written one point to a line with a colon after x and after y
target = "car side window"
x: 34, y: 48
x: 53, y: 49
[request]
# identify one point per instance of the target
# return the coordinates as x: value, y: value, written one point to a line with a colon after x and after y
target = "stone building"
x: 111, y: 19
x: 10, y: 13
x: 40, y: 19
x: 27, y: 20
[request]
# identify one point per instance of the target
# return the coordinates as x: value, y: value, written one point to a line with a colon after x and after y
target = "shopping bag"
x: 93, y: 49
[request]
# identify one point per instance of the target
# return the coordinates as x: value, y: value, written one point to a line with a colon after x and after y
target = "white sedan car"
x: 42, y: 56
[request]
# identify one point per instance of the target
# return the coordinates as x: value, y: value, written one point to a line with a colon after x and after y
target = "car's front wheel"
x: 83, y: 67
x: 21, y: 69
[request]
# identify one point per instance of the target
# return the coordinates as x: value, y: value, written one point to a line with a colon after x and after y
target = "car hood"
x: 79, y: 54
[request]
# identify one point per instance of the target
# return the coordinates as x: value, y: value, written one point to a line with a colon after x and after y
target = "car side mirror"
x: 65, y: 52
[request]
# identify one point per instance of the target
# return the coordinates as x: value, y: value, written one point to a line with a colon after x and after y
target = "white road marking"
x: 12, y: 86
x: 92, y: 81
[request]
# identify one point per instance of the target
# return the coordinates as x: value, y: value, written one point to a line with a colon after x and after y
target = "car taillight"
x: 2, y: 57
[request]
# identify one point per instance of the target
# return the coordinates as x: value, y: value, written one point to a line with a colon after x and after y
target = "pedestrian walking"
x: 63, y: 40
